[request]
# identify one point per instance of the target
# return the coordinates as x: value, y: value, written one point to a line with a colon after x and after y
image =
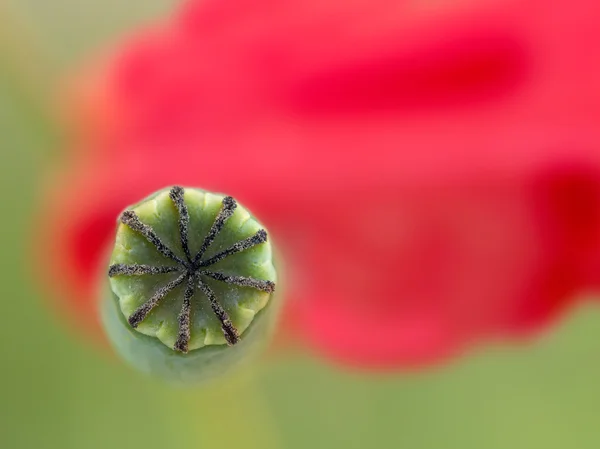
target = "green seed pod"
x: 191, y: 285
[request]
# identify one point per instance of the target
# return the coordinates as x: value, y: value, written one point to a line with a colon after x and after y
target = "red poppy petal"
x: 415, y: 162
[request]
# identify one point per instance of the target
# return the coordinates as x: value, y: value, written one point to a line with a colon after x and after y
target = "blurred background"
x: 59, y: 391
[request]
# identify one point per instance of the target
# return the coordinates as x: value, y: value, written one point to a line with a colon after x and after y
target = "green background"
x: 58, y: 391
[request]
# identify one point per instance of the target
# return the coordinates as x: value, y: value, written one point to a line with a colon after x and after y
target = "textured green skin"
x: 149, y: 347
x: 150, y: 356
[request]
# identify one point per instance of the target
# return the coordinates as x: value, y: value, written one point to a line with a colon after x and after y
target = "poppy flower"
x: 432, y: 173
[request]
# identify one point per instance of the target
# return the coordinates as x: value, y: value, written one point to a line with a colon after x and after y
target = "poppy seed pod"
x: 191, y: 281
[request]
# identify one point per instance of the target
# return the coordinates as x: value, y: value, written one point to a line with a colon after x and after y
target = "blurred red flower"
x: 430, y: 172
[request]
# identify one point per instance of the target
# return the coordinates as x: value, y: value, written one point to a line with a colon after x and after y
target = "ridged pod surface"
x: 191, y: 282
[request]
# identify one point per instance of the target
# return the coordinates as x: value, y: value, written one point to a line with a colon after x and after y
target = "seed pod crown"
x: 191, y: 268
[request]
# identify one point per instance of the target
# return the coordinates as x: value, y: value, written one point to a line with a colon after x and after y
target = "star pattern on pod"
x: 193, y: 269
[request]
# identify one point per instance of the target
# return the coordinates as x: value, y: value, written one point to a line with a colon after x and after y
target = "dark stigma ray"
x: 131, y: 219
x: 229, y: 331
x: 183, y: 336
x: 242, y: 245
x: 242, y: 281
x: 177, y: 196
x: 142, y: 312
x: 227, y: 209
x: 138, y: 270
